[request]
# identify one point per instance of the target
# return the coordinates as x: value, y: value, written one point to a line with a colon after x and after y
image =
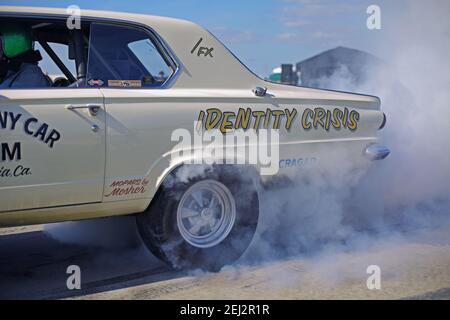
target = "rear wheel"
x: 206, y: 222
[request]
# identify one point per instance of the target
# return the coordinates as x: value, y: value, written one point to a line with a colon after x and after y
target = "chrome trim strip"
x: 50, y: 207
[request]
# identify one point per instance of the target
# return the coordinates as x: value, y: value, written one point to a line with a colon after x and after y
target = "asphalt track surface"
x: 33, y: 266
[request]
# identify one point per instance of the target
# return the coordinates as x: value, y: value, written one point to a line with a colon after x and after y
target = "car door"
x: 131, y: 68
x: 52, y: 147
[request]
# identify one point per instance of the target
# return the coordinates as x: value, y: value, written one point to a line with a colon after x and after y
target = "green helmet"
x: 15, y: 40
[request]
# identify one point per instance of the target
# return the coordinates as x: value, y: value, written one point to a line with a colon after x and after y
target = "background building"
x: 312, y: 71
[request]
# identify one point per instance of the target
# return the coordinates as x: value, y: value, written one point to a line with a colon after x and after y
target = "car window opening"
x: 97, y: 55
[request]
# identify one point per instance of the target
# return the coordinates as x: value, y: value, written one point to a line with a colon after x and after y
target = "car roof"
x: 87, y: 13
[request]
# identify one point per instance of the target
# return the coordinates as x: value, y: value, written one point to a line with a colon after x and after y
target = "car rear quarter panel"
x: 141, y: 123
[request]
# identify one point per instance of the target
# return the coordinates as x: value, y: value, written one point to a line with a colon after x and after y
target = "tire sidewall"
x: 182, y: 255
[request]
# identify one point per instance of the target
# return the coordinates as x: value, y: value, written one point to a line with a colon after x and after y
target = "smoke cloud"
x: 323, y: 216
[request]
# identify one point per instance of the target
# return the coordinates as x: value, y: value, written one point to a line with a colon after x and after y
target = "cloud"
x: 323, y: 35
x: 318, y: 10
x: 285, y: 36
x: 294, y: 23
x: 320, y: 22
x: 234, y: 36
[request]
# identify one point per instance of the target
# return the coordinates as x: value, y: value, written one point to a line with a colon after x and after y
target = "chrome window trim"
x: 162, y: 46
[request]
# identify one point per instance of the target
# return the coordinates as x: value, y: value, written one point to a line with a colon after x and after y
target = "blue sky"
x: 262, y: 33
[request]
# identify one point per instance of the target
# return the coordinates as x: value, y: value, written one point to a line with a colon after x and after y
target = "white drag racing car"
x: 98, y: 141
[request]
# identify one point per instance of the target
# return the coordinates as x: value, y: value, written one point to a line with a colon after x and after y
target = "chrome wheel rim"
x: 206, y: 214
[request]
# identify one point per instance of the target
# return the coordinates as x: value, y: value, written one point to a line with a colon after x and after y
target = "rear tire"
x: 206, y: 222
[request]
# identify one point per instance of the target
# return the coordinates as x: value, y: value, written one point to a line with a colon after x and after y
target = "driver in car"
x: 18, y: 59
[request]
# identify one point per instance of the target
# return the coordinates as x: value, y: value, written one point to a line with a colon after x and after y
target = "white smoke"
x: 413, y: 83
x: 414, y: 88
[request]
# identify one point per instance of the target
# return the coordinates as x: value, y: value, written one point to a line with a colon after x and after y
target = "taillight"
x: 384, y: 122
